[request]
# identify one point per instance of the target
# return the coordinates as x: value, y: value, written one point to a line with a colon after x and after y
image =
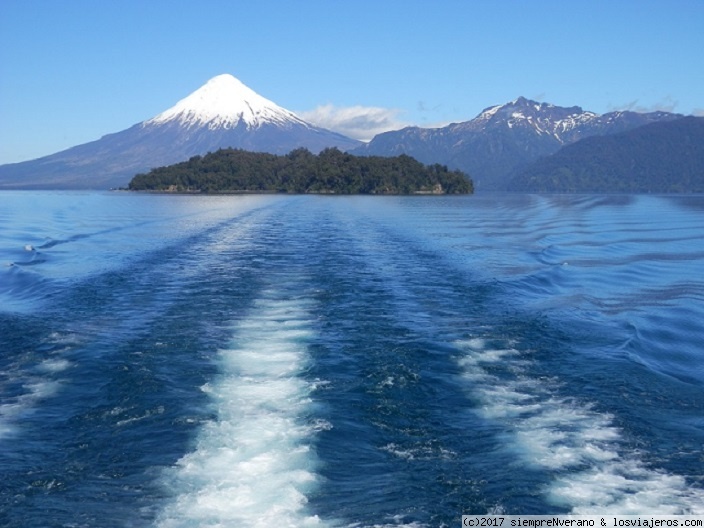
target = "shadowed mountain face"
x: 502, y: 139
x: 222, y: 113
x: 666, y: 157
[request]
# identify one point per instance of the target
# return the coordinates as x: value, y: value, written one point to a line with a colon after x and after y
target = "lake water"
x: 204, y: 361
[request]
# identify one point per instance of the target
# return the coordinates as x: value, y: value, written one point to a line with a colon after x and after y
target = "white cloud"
x: 358, y: 122
x: 666, y: 104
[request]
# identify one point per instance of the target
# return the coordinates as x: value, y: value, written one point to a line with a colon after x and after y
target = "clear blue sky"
x: 74, y: 70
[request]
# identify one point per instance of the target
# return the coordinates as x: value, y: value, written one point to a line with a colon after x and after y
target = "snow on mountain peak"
x: 225, y: 102
x: 513, y: 108
x: 526, y: 114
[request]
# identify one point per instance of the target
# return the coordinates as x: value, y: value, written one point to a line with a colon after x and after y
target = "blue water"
x: 175, y: 361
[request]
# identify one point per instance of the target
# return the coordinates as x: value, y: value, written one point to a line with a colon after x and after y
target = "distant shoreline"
x: 312, y: 193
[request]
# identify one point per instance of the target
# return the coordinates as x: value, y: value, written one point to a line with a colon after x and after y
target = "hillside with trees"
x: 300, y: 171
x: 665, y: 157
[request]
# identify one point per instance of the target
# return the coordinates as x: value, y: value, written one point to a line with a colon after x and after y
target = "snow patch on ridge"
x: 488, y: 113
x: 225, y: 102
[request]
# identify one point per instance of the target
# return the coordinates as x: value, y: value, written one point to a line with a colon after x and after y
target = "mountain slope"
x: 661, y: 157
x: 503, y: 138
x: 222, y: 113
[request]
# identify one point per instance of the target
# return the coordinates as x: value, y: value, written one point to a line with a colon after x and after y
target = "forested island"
x: 300, y: 171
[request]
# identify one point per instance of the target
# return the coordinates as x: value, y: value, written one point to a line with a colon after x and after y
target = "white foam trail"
x: 40, y: 382
x: 11, y: 413
x: 54, y: 365
x: 254, y: 466
x: 580, y: 445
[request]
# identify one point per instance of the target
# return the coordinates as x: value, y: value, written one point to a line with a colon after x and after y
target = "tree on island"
x: 300, y: 171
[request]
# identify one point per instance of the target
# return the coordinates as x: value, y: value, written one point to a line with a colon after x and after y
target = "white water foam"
x: 11, y: 413
x: 38, y: 383
x: 255, y: 465
x: 54, y: 365
x: 582, y: 447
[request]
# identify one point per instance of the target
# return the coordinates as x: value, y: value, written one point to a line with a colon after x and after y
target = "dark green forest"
x: 300, y: 171
x: 666, y: 157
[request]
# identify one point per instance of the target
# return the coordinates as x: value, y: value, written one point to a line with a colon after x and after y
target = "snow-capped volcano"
x: 225, y: 102
x: 222, y: 113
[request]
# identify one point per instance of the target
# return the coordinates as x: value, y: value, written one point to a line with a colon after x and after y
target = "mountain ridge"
x: 503, y: 138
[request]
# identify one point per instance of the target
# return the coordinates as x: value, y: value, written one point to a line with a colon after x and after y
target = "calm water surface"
x: 178, y: 361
